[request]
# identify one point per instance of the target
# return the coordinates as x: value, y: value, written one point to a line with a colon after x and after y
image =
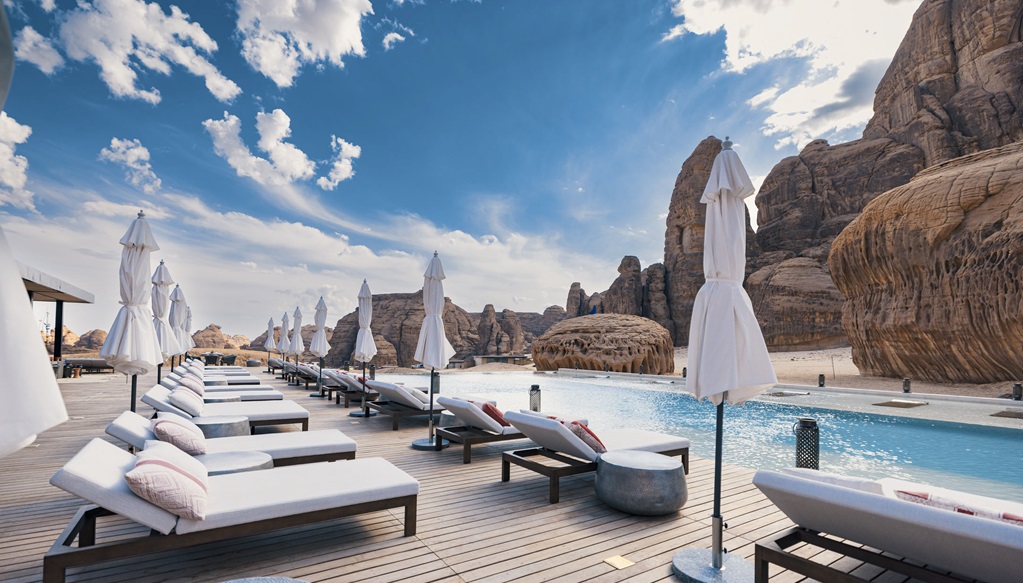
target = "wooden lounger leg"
x: 394, y: 421
x: 466, y: 452
x: 505, y: 470
x: 685, y: 462
x: 555, y: 489
x: 305, y: 425
x: 410, y: 517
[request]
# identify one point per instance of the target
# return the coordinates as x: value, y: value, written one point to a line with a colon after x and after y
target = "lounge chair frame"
x: 470, y: 436
x: 570, y: 465
x: 773, y: 550
x: 62, y: 555
x: 399, y: 410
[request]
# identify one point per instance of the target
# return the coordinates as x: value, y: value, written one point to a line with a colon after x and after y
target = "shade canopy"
x: 297, y: 346
x: 179, y: 319
x: 433, y: 348
x: 283, y: 344
x: 365, y: 346
x: 29, y: 392
x: 728, y: 359
x: 168, y: 340
x: 268, y: 344
x: 132, y: 347
x: 319, y: 345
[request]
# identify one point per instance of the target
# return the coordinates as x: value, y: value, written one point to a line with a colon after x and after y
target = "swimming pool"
x: 980, y: 459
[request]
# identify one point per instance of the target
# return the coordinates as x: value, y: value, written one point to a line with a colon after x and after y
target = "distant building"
x: 519, y: 359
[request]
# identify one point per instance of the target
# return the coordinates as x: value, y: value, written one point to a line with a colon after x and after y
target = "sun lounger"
x: 286, y: 448
x: 258, y: 412
x: 477, y: 427
x: 213, y: 394
x: 870, y: 513
x: 237, y: 505
x: 558, y: 444
x: 274, y: 364
x: 351, y: 388
x: 401, y: 402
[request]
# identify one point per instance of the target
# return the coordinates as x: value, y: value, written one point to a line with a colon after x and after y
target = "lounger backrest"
x: 170, y: 383
x: 550, y: 434
x: 131, y: 428
x: 470, y: 414
x: 96, y: 474
x: 396, y: 394
x: 977, y: 547
x: 156, y: 398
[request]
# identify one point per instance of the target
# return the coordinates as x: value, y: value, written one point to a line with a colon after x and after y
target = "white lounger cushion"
x: 135, y: 430
x: 96, y: 474
x: 977, y: 547
x: 399, y: 394
x: 254, y: 410
x: 245, y: 394
x: 238, y: 498
x: 471, y: 415
x: 553, y: 435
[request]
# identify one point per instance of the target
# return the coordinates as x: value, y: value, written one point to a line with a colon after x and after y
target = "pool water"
x: 758, y: 434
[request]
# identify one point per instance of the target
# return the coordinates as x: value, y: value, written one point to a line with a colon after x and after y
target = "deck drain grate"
x: 619, y: 562
x: 901, y: 404
x: 1010, y: 413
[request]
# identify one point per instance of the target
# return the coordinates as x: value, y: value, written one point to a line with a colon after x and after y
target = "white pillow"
x: 187, y: 401
x: 853, y: 482
x: 170, y: 479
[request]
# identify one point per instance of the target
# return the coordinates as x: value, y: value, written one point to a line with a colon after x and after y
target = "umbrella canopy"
x: 728, y: 359
x: 132, y: 347
x: 6, y: 56
x: 365, y: 346
x: 297, y: 346
x: 319, y: 345
x: 268, y: 344
x: 161, y: 306
x: 179, y: 319
x: 188, y: 326
x: 284, y: 343
x: 433, y: 348
x: 31, y: 398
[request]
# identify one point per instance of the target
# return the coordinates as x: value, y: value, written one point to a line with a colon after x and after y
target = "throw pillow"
x: 187, y: 401
x: 946, y: 503
x: 170, y: 479
x: 178, y: 435
x: 193, y: 384
x: 587, y: 436
x: 494, y: 413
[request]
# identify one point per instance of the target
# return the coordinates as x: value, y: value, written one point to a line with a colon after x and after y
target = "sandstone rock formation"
x: 536, y: 324
x: 91, y: 340
x: 210, y: 337
x: 398, y: 318
x: 492, y: 340
x: 932, y: 273
x: 655, y: 299
x: 612, y: 342
x: 578, y: 303
x: 625, y: 296
x: 68, y: 341
x: 512, y: 328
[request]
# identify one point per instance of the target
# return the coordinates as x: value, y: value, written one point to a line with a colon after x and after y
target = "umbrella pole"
x: 363, y: 411
x: 319, y: 381
x: 717, y: 521
x: 268, y: 370
x: 431, y: 440
x: 134, y: 386
x: 158, y: 368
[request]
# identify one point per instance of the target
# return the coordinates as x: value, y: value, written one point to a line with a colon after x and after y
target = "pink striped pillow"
x: 170, y: 479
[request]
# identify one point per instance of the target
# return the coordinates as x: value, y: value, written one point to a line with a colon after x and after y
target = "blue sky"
x: 286, y: 150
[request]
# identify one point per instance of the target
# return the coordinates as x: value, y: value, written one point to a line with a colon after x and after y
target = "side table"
x: 232, y: 462
x: 641, y: 482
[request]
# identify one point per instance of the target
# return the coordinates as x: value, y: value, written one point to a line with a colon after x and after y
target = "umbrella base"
x: 429, y: 444
x: 361, y: 413
x: 694, y: 566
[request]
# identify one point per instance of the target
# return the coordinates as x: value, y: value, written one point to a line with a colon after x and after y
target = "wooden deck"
x: 471, y: 527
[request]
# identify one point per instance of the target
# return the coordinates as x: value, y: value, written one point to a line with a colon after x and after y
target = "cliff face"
x: 933, y: 273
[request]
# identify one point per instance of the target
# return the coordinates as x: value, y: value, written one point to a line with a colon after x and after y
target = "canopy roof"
x: 47, y: 288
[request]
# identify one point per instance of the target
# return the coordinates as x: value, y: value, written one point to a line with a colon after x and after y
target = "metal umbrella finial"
x: 434, y: 253
x: 727, y: 144
x: 142, y: 215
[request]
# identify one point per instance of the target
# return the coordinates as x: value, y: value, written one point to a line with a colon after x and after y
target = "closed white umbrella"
x: 297, y: 346
x: 161, y: 308
x: 31, y: 398
x: 319, y: 345
x: 132, y: 347
x: 728, y: 359
x: 178, y: 319
x: 188, y: 326
x: 433, y: 348
x: 268, y: 344
x: 365, y: 346
x: 283, y: 344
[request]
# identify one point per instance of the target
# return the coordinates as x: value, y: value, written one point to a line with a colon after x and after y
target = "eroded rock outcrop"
x: 210, y: 337
x: 91, y: 340
x: 932, y: 273
x: 398, y: 319
x: 625, y: 296
x: 606, y: 342
x: 499, y: 335
x: 578, y: 303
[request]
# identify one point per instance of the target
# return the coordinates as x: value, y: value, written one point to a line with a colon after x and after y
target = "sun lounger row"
x: 258, y: 412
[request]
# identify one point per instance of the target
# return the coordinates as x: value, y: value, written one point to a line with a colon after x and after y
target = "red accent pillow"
x: 587, y: 436
x: 495, y: 414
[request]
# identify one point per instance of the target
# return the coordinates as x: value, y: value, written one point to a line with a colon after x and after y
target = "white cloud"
x: 286, y: 164
x: 135, y: 158
x: 278, y: 38
x: 124, y: 36
x: 391, y: 39
x: 847, y: 45
x: 48, y: 5
x: 13, y: 168
x: 36, y: 49
x: 342, y: 168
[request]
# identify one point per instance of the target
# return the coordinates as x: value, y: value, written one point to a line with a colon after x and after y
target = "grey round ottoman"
x: 641, y: 482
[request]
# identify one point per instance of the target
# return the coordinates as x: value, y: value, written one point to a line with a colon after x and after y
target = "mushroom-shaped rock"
x: 606, y: 342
